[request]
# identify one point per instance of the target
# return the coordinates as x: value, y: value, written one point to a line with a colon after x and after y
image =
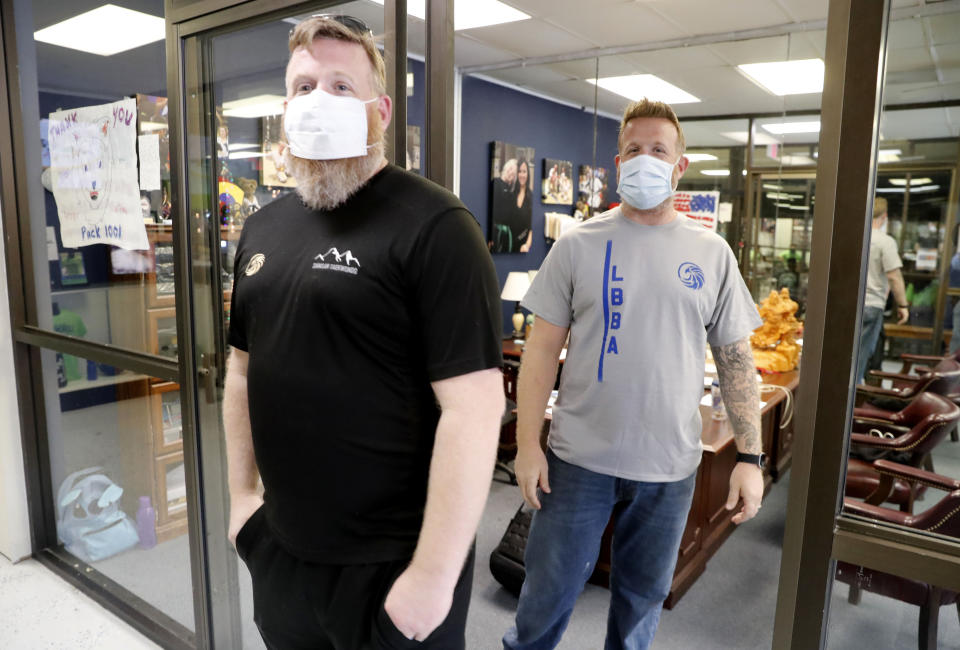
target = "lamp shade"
x: 516, y: 286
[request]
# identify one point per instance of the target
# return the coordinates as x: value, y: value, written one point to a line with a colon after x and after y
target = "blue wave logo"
x: 690, y: 275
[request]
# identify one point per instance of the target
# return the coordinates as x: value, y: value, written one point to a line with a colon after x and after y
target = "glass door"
x: 233, y: 67
x: 779, y: 235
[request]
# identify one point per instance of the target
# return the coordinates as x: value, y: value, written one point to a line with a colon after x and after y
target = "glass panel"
x: 416, y: 156
x: 788, y: 141
x: 100, y: 214
x: 717, y: 153
x: 874, y: 609
x: 238, y: 165
x: 903, y: 465
x: 780, y: 255
x: 116, y: 466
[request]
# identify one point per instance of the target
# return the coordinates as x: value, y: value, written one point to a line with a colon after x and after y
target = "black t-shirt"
x: 348, y: 315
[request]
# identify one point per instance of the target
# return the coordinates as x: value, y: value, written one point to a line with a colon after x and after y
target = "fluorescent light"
x: 913, y: 190
x: 913, y: 181
x: 783, y: 128
x: 793, y: 160
x: 471, y: 14
x: 105, y: 31
x: 742, y: 137
x: 783, y: 196
x: 772, y: 186
x: 237, y: 155
x: 790, y: 206
x: 637, y: 86
x: 147, y: 127
x: 699, y: 157
x: 787, y: 77
x: 715, y: 172
x: 888, y: 155
x: 256, y: 106
x: 242, y: 145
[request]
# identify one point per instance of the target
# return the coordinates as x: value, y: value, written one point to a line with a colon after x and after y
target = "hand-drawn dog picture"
x: 94, y: 175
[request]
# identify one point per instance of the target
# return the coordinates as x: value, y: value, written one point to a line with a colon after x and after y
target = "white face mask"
x: 321, y: 126
x: 645, y: 181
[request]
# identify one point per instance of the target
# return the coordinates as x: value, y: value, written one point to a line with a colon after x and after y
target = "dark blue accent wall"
x: 493, y: 112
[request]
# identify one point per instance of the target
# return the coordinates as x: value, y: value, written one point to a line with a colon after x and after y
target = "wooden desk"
x: 709, y: 522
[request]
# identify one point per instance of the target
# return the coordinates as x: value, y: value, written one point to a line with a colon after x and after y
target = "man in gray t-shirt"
x: 883, y: 274
x: 641, y: 290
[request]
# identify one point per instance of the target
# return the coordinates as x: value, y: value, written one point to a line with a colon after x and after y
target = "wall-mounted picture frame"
x: 413, y: 148
x: 557, y: 184
x: 511, y: 197
x: 593, y: 188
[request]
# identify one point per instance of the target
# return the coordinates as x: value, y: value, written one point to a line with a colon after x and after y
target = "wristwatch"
x: 753, y: 459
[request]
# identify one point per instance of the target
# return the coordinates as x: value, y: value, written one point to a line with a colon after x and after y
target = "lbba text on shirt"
x: 93, y: 160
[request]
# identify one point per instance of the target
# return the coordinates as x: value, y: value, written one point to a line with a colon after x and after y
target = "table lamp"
x: 515, y: 289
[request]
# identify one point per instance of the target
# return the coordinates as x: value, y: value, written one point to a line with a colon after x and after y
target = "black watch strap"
x: 753, y: 459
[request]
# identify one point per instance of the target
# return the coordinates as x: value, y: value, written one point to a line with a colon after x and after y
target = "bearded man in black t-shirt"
x: 364, y: 379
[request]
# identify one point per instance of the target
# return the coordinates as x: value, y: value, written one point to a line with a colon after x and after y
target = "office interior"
x: 113, y: 358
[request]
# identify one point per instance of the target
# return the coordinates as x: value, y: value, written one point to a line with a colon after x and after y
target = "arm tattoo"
x: 738, y: 384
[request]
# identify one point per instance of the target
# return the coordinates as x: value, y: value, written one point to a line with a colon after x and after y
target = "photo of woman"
x: 511, y: 198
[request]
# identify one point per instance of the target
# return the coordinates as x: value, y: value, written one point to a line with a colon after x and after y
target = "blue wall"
x: 492, y: 112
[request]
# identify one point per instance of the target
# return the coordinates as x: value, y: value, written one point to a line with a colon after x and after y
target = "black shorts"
x: 305, y: 605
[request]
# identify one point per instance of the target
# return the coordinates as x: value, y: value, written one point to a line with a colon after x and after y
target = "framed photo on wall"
x: 593, y: 188
x: 511, y: 200
x: 557, y: 182
x: 413, y: 148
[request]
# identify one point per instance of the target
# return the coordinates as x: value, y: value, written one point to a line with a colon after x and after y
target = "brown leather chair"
x: 943, y: 518
x: 942, y: 379
x: 923, y: 362
x: 906, y: 436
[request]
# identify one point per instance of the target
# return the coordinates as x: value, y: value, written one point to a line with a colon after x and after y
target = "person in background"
x: 883, y: 274
x: 955, y: 282
x: 364, y: 382
x: 641, y: 290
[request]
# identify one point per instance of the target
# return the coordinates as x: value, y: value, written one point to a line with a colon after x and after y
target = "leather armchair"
x: 943, y: 518
x: 942, y: 379
x: 906, y: 436
x: 923, y: 362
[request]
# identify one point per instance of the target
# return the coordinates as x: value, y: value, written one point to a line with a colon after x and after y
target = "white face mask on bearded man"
x: 333, y: 146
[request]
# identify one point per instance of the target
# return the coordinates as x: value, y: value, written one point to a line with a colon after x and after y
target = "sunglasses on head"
x: 353, y: 24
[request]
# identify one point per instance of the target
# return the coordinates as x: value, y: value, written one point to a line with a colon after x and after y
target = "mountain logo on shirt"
x: 255, y: 264
x: 690, y: 275
x: 334, y: 260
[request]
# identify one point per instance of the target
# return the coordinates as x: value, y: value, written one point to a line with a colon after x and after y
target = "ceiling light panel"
x: 256, y: 106
x: 470, y: 14
x: 106, y: 30
x: 787, y: 77
x: 784, y: 128
x: 636, y: 87
x: 715, y: 172
x: 699, y: 157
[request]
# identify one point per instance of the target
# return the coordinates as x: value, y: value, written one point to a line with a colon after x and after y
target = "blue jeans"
x: 869, y: 334
x: 564, y: 542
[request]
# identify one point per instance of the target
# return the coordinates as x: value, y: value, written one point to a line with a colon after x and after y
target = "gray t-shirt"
x: 641, y: 303
x: 883, y: 259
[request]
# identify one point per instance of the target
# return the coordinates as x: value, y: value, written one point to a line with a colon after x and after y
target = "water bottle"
x: 716, y: 402
x: 146, y: 523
